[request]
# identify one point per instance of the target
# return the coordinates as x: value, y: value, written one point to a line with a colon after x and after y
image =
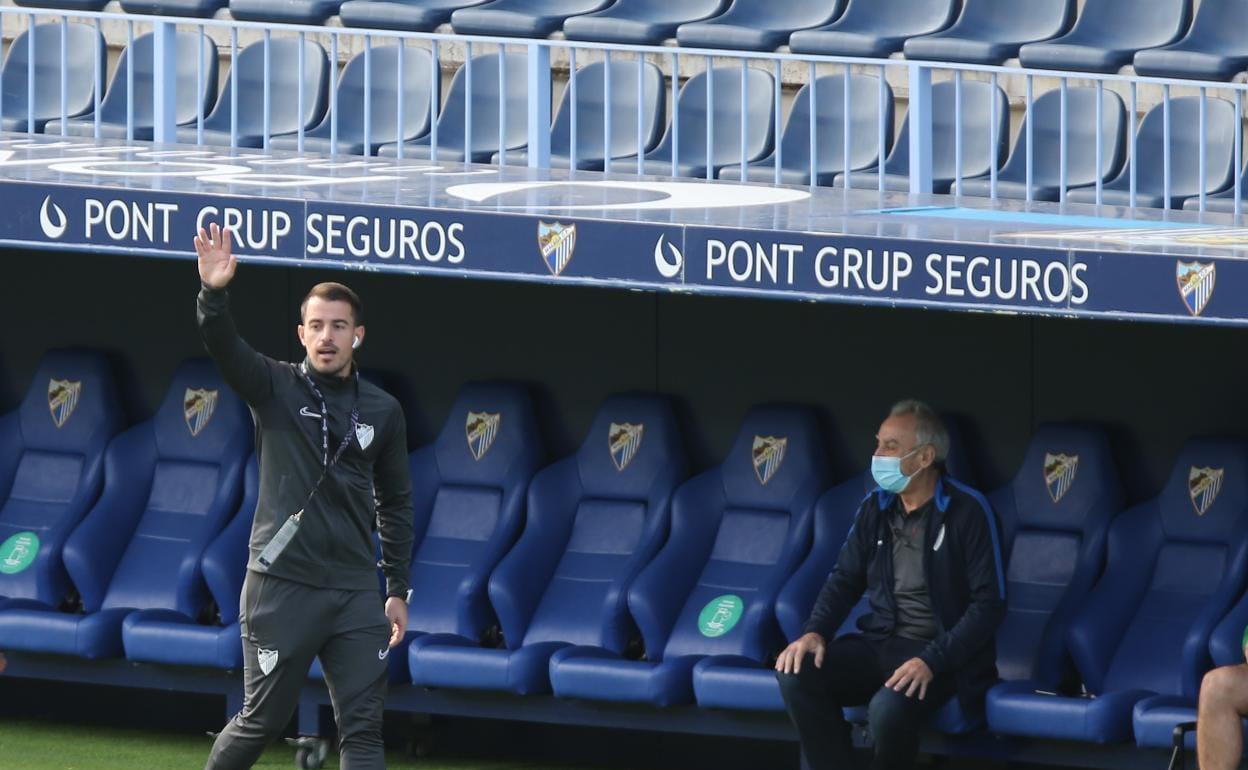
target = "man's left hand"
x: 913, y: 676
x: 396, y: 613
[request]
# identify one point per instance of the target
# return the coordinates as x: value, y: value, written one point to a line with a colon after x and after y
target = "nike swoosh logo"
x: 383, y: 654
x: 306, y: 412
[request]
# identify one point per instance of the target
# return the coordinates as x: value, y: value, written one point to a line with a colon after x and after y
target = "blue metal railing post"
x: 920, y: 129
x: 539, y: 106
x: 164, y: 81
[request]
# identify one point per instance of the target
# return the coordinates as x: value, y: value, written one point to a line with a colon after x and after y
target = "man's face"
x: 897, y: 438
x: 327, y: 331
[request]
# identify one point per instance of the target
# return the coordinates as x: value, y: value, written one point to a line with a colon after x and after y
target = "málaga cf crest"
x: 197, y: 407
x: 557, y: 242
x: 624, y: 439
x: 1059, y: 474
x: 1195, y: 284
x: 768, y: 453
x: 482, y: 429
x: 63, y: 399
x: 1203, y: 484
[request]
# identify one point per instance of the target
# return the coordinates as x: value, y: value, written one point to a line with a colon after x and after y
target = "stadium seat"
x: 738, y: 532
x: 1184, y: 156
x: 875, y: 28
x: 284, y: 79
x: 64, y: 5
x: 591, y: 118
x: 51, y: 469
x: 991, y: 31
x: 691, y: 155
x: 85, y: 55
x: 408, y: 15
x: 640, y: 22
x: 758, y: 25
x: 594, y: 521
x: 977, y: 150
x: 484, y: 101
x: 213, y: 638
x: 190, y: 100
x: 170, y: 486
x: 1081, y: 128
x: 204, y: 9
x: 383, y: 104
x: 1108, y: 33
x: 521, y: 18
x: 1224, y: 201
x: 1175, y: 566
x: 285, y: 11
x: 864, y: 134
x: 1215, y: 48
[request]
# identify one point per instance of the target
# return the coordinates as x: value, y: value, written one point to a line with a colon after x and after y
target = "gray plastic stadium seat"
x: 1216, y: 47
x: 591, y: 121
x: 725, y: 125
x: 1222, y: 202
x: 85, y: 55
x: 383, y: 104
x: 641, y: 22
x: 1081, y: 131
x: 864, y: 151
x: 1184, y: 156
x: 758, y: 25
x: 284, y: 11
x: 113, y: 105
x: 283, y: 105
x: 410, y: 15
x: 65, y: 5
x: 521, y: 18
x: 201, y: 9
x: 991, y: 31
x: 452, y: 121
x: 875, y: 28
x: 1108, y: 34
x: 977, y: 150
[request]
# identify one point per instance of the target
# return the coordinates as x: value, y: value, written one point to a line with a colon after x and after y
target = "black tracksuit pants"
x: 284, y: 626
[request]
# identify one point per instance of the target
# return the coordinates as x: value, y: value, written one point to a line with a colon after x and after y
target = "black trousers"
x: 284, y: 626
x: 853, y: 673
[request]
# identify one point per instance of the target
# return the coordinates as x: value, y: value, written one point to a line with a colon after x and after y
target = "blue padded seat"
x: 247, y: 75
x: 285, y: 11
x: 383, y: 104
x: 875, y: 28
x: 52, y: 468
x: 407, y: 15
x: 1175, y: 566
x: 738, y: 532
x: 1215, y: 48
x: 640, y: 22
x: 758, y: 25
x: 991, y: 31
x: 521, y: 18
x: 594, y: 521
x: 190, y: 100
x: 1108, y: 34
x: 170, y: 486
x: 168, y: 636
x: 85, y: 55
x: 864, y: 122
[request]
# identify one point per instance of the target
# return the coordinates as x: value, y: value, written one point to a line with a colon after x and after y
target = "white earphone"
x: 356, y: 344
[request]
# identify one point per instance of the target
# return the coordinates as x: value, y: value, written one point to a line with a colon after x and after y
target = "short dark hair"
x: 335, y: 292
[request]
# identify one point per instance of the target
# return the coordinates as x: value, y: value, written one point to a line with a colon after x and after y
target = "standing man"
x: 333, y: 467
x: 925, y: 550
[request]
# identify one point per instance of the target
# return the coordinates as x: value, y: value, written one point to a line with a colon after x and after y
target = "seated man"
x: 1223, y: 703
x: 925, y: 550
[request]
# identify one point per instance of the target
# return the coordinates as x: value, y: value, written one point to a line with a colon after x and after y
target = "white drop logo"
x: 52, y: 229
x: 668, y: 268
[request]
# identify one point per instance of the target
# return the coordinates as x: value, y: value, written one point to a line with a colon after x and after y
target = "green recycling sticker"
x: 18, y: 552
x: 720, y: 615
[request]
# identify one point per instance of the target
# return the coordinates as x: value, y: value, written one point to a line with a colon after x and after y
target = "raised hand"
x: 216, y: 263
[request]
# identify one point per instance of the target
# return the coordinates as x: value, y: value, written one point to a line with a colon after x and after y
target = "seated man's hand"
x: 912, y: 676
x: 790, y: 661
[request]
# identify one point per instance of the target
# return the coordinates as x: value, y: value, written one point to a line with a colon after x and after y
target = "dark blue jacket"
x: 965, y: 579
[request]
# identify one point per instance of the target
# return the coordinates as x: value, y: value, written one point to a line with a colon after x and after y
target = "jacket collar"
x: 884, y: 498
x: 328, y: 382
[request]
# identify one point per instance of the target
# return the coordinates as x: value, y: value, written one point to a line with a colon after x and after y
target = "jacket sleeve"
x: 953, y: 648
x: 393, y: 486
x: 247, y: 372
x: 847, y: 581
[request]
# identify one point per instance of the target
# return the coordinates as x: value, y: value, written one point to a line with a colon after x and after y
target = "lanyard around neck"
x: 326, y: 461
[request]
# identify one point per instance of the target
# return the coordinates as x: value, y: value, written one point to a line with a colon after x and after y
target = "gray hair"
x: 928, y: 428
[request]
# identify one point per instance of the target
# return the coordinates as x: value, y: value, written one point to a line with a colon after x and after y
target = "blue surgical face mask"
x: 887, y: 472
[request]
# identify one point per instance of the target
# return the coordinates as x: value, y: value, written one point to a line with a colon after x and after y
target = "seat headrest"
x: 200, y: 418
x: 71, y: 398
x: 778, y: 450
x: 489, y: 427
x: 632, y: 441
x: 1205, y: 497
x: 1068, y: 470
